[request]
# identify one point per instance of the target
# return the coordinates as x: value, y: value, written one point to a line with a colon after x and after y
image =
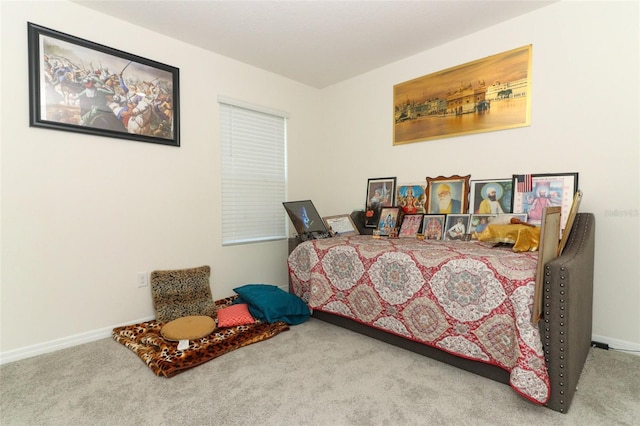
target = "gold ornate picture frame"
x: 447, y: 195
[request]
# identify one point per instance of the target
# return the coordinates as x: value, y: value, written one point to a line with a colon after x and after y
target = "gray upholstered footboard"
x: 567, y: 312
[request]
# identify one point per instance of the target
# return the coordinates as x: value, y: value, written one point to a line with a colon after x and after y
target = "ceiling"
x: 317, y: 43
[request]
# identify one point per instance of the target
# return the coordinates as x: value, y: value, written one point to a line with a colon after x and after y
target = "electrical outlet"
x: 143, y: 279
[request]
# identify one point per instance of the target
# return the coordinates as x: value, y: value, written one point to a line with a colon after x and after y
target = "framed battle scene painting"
x: 433, y: 226
x: 446, y: 195
x: 488, y: 94
x: 80, y: 86
x: 533, y: 193
x: 380, y: 193
x: 410, y: 226
x: 490, y: 196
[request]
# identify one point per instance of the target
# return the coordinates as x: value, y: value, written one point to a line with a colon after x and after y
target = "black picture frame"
x: 433, y: 226
x: 479, y: 202
x: 305, y: 217
x: 80, y: 86
x: 559, y: 190
x: 381, y: 192
x: 453, y: 221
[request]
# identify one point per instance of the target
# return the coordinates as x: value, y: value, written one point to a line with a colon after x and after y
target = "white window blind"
x: 253, y: 172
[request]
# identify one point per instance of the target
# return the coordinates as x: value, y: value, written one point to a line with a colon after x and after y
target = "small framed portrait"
x: 433, y: 226
x: 456, y: 227
x: 388, y: 223
x: 479, y: 223
x: 411, y: 224
x: 492, y: 196
x: 447, y: 195
x: 533, y: 193
x: 411, y: 198
x: 340, y: 225
x: 380, y: 193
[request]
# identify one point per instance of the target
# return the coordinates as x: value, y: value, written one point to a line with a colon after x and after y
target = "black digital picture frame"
x: 305, y: 217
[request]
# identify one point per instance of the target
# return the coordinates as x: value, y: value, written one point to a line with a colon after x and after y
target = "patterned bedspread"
x: 465, y: 297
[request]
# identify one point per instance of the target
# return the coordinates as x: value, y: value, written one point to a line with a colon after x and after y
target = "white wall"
x: 584, y: 118
x: 81, y: 215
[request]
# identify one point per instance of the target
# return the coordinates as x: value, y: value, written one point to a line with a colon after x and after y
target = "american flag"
x: 525, y: 183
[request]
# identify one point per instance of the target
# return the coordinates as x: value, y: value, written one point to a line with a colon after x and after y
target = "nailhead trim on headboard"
x: 559, y: 327
x: 547, y: 337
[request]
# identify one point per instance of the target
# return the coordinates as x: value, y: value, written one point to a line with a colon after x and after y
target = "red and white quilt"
x: 465, y: 297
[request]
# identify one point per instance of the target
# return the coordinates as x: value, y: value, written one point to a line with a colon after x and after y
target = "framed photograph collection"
x: 80, y: 86
x: 457, y: 208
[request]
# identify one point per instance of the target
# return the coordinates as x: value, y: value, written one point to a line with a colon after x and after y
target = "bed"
x: 466, y: 303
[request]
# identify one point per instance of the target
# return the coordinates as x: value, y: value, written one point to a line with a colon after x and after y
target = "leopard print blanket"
x: 164, y: 358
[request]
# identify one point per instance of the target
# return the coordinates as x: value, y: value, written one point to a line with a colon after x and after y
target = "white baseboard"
x: 103, y: 333
x: 622, y: 345
x: 63, y: 343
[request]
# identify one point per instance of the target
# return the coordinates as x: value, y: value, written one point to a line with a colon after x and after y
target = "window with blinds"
x: 253, y: 172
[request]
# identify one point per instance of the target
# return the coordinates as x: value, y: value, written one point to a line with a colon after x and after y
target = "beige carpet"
x: 314, y: 374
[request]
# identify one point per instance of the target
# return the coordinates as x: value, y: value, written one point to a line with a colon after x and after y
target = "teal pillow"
x: 270, y: 303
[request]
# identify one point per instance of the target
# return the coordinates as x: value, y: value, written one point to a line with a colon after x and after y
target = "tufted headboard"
x: 567, y: 311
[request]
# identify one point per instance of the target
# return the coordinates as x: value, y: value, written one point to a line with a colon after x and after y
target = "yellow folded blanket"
x: 523, y: 237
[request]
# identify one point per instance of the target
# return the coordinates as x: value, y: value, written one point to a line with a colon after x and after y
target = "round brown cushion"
x: 188, y: 328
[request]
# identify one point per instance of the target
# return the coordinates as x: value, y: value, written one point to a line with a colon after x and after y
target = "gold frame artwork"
x: 458, y: 188
x: 489, y: 94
